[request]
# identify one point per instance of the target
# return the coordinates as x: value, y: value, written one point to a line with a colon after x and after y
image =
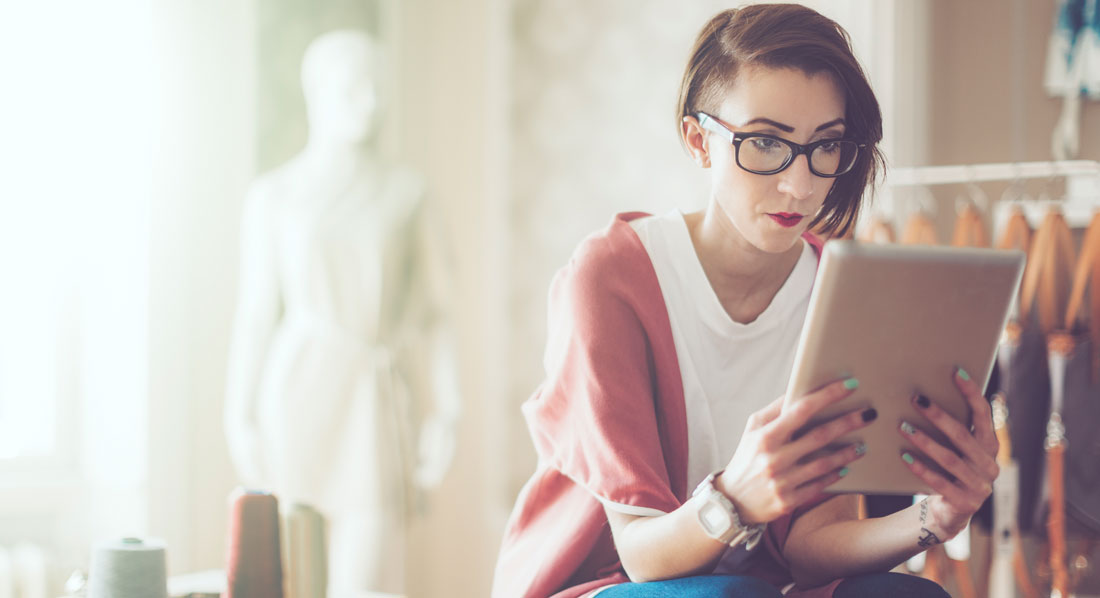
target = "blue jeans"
x: 894, y: 585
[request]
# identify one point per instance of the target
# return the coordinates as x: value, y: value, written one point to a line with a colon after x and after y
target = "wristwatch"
x: 720, y: 520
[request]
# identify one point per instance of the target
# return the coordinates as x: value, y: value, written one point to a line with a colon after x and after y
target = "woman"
x: 670, y: 334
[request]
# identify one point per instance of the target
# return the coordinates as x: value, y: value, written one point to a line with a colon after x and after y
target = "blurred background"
x: 130, y: 132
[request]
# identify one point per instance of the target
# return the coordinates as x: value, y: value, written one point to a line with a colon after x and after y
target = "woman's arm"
x: 764, y: 480
x: 666, y: 546
x: 828, y: 542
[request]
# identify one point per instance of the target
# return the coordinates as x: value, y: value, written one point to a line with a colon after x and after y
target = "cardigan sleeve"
x: 595, y: 417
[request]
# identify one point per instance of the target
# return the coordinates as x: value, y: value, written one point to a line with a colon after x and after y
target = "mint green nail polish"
x: 907, y: 458
x: 851, y: 384
x: 963, y: 374
x: 843, y: 472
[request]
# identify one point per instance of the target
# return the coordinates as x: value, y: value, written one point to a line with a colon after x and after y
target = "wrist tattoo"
x: 927, y: 538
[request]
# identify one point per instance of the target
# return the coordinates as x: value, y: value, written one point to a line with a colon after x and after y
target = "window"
x: 78, y: 122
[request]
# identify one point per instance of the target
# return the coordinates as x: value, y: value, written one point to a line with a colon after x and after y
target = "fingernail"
x: 861, y: 449
x: 843, y: 472
x: 963, y: 374
x: 923, y: 401
x: 869, y: 414
x: 908, y: 428
x: 907, y: 458
x: 851, y: 384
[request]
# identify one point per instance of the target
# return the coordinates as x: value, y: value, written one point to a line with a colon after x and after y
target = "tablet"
x: 900, y: 319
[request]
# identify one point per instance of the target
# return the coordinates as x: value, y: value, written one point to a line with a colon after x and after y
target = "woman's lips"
x: 786, y: 219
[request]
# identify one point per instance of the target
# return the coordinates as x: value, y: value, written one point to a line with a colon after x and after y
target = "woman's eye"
x: 829, y: 147
x: 765, y: 144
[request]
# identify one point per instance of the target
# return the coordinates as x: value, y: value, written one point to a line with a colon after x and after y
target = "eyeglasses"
x: 760, y: 153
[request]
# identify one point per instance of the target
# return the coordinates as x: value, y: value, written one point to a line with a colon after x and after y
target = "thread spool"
x: 304, y: 560
x: 253, y: 568
x: 128, y: 568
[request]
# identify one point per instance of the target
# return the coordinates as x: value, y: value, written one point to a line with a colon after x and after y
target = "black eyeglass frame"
x: 713, y: 125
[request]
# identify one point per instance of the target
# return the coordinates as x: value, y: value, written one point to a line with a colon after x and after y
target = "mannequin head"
x: 340, y: 73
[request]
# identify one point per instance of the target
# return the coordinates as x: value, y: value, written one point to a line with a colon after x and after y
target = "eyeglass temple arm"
x: 709, y: 123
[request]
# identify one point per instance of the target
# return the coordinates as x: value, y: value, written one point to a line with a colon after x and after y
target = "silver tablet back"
x: 900, y: 319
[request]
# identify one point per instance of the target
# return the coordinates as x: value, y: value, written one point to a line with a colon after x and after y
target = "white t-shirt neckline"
x: 693, y: 276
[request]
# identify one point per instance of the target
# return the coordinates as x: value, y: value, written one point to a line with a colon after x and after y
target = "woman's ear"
x: 695, y: 139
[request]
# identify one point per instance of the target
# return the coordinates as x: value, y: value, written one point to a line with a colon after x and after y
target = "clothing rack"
x: 978, y: 173
x: 1081, y: 200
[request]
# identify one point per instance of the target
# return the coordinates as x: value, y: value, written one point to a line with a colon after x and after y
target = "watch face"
x: 715, y: 519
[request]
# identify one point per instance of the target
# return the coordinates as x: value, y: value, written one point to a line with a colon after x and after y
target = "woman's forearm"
x: 667, y: 546
x: 853, y: 547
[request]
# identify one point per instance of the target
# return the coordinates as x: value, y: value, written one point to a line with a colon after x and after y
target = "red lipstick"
x: 786, y: 219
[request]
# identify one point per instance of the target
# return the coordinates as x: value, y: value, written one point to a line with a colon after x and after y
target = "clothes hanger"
x: 877, y: 228
x: 1017, y: 231
x: 969, y: 224
x: 920, y: 229
x: 1048, y: 275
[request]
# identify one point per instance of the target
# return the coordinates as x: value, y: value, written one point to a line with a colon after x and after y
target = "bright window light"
x: 76, y: 131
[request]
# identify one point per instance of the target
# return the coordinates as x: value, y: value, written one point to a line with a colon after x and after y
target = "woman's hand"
x: 768, y: 475
x: 972, y: 464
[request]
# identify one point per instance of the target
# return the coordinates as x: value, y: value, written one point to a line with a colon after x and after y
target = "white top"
x: 729, y: 370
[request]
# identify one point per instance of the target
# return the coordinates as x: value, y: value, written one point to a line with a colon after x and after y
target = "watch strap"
x: 738, y: 531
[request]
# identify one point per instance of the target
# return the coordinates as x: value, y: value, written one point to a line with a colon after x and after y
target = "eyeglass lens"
x: 766, y: 154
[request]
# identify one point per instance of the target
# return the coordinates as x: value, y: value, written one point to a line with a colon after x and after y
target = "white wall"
x: 205, y: 159
x: 452, y: 125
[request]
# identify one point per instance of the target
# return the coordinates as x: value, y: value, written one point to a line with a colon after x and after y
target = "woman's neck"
x: 744, y: 278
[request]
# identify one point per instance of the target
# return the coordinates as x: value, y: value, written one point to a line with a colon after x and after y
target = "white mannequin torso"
x: 339, y: 286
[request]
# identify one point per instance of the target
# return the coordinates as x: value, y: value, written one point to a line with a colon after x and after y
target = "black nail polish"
x: 923, y: 401
x: 869, y: 414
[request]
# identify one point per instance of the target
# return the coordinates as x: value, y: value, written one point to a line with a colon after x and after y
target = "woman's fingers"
x: 802, y: 410
x: 954, y: 495
x: 981, y: 415
x: 969, y: 446
x: 766, y: 415
x: 823, y: 435
x: 813, y: 489
x: 835, y: 461
x: 978, y: 478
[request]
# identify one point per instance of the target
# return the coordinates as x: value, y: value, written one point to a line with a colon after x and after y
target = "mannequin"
x: 341, y: 360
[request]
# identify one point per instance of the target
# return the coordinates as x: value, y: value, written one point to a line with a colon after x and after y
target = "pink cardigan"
x: 608, y: 421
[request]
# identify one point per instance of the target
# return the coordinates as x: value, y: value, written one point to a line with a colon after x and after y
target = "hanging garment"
x: 1075, y: 393
x: 1073, y: 53
x: 920, y: 230
x: 1073, y: 69
x: 969, y: 229
x: 878, y: 230
x: 1007, y: 568
x: 1022, y: 355
x: 1017, y: 232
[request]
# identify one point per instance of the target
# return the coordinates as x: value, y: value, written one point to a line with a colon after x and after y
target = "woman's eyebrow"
x: 790, y: 129
x: 831, y: 123
x: 770, y: 122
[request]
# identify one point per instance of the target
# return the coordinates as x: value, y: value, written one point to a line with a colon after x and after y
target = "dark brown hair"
x: 790, y: 36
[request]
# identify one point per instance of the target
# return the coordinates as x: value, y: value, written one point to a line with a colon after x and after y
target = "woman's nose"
x: 797, y: 180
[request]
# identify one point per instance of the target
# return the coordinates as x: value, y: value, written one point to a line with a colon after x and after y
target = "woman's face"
x: 770, y: 212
